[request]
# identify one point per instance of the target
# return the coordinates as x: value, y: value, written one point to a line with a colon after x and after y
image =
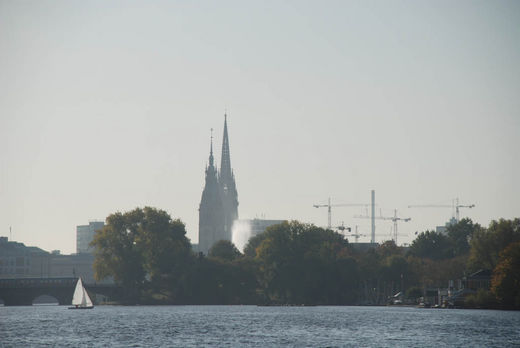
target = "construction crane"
x: 343, y: 228
x: 329, y: 207
x: 356, y: 235
x: 394, y: 219
x: 455, y: 206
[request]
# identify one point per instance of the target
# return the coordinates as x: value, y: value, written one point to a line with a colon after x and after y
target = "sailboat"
x: 81, y: 299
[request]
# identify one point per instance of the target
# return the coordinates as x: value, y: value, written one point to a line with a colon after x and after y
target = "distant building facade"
x: 444, y: 229
x: 85, y: 235
x: 219, y: 202
x: 258, y: 226
x: 79, y: 265
x: 20, y: 261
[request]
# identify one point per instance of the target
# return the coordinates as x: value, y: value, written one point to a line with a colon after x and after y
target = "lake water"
x: 251, y: 326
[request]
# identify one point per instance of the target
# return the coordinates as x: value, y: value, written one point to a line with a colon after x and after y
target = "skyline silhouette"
x: 108, y: 107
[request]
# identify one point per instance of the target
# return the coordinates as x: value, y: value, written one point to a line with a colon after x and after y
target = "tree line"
x: 147, y: 252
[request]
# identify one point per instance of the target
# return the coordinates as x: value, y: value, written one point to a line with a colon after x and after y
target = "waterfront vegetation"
x: 147, y: 252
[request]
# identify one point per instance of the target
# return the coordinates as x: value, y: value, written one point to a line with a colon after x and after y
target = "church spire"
x: 219, y: 203
x: 211, y: 150
x: 225, y: 160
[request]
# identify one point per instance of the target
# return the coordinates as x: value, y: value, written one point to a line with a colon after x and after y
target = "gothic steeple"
x: 211, y: 213
x: 227, y: 185
x: 211, y: 150
x: 219, y: 203
x: 211, y: 171
x: 225, y: 160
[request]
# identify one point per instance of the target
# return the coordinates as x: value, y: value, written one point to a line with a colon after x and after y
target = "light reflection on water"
x: 243, y: 326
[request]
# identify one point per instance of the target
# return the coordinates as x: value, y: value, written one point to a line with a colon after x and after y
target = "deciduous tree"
x: 460, y: 235
x: 487, y: 244
x: 224, y: 250
x: 506, y: 276
x: 141, y: 244
x: 431, y: 245
x: 117, y: 253
x: 302, y: 263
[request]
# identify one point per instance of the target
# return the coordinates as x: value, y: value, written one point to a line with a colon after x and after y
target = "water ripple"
x: 251, y: 326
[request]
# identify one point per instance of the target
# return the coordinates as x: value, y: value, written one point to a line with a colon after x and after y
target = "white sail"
x: 77, y: 298
x: 80, y: 297
x: 88, y: 301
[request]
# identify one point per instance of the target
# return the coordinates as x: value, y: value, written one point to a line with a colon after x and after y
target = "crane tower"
x: 455, y: 206
x: 329, y: 209
x: 373, y: 204
x: 394, y: 219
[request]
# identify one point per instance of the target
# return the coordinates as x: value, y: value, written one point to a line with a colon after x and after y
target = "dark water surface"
x: 251, y: 326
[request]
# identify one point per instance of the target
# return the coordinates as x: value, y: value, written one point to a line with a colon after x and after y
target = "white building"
x: 85, y: 235
x: 259, y: 225
x: 245, y: 229
x: 444, y: 229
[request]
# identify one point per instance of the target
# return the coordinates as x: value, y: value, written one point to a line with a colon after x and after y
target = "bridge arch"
x: 23, y: 291
x: 45, y: 299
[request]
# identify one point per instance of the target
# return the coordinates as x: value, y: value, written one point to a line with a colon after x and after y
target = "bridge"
x: 23, y: 291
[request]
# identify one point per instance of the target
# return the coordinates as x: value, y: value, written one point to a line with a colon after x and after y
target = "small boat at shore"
x: 81, y: 299
x: 424, y: 305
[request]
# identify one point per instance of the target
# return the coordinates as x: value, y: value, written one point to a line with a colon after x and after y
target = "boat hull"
x: 81, y: 307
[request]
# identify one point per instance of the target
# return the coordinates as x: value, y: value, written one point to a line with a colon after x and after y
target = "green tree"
x: 254, y: 242
x: 214, y: 281
x: 371, y: 273
x: 505, y: 283
x: 164, y: 245
x: 460, y: 234
x: 414, y: 292
x: 116, y: 252
x: 431, y: 245
x: 436, y: 273
x: 482, y: 299
x: 224, y: 250
x: 141, y: 246
x: 302, y: 263
x: 487, y: 244
x: 395, y: 267
x: 388, y: 248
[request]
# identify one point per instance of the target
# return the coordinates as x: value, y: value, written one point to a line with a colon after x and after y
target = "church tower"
x: 227, y: 185
x: 219, y: 203
x: 211, y: 214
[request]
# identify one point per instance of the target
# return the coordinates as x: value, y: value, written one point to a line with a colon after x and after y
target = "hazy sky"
x: 107, y: 106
